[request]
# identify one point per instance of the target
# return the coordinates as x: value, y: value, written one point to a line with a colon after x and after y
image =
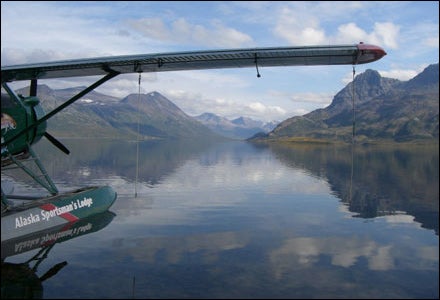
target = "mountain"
x: 239, y: 128
x: 385, y: 109
x: 99, y: 115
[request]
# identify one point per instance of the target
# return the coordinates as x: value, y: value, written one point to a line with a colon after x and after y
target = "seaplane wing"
x: 197, y: 60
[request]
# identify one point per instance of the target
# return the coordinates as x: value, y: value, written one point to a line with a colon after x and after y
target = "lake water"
x: 236, y: 220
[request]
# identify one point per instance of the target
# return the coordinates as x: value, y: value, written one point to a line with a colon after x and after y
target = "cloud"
x: 182, y: 31
x: 431, y: 42
x: 261, y: 109
x: 13, y: 55
x: 295, y: 104
x: 197, y: 102
x: 299, y: 26
x: 351, y: 32
x: 400, y: 74
x: 152, y: 27
x: 317, y: 98
x: 257, y: 107
x: 385, y: 34
x: 298, y: 29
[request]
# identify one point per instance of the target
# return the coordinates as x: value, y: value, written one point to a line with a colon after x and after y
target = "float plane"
x: 23, y: 120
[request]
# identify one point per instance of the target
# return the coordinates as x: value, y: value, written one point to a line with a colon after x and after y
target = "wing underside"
x: 197, y: 60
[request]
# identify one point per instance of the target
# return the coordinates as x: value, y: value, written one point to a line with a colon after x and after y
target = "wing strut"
x: 33, y: 88
x: 61, y: 107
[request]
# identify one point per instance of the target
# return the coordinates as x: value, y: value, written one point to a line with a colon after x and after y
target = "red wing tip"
x: 370, y: 53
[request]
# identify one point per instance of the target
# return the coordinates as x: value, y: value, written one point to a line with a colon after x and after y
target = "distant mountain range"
x: 385, y: 109
x: 239, y: 128
x: 100, y: 115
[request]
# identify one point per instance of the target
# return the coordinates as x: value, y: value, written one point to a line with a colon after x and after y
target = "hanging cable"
x: 353, y: 137
x: 354, y: 111
x: 138, y: 136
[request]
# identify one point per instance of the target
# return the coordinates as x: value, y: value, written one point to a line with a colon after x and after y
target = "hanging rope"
x: 353, y: 137
x: 139, y: 103
x: 138, y: 136
x: 354, y: 111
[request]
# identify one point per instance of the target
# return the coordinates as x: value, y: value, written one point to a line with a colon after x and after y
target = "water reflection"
x: 21, y: 280
x: 376, y: 181
x: 371, y: 180
x: 397, y: 182
x: 104, y: 158
x: 234, y: 220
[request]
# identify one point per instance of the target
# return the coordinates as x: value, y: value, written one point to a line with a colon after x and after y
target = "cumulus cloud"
x: 152, y: 27
x: 262, y: 109
x: 185, y: 32
x: 196, y: 103
x: 351, y: 32
x: 386, y: 34
x: 300, y: 26
x: 13, y: 55
x: 298, y: 29
x: 400, y: 74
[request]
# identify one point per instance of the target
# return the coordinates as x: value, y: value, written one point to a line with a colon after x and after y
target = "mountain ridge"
x: 385, y: 109
x: 98, y: 115
x: 112, y: 116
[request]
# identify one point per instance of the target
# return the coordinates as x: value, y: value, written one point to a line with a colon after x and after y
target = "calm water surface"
x: 234, y: 220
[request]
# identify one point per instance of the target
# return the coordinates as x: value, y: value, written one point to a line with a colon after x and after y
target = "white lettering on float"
x: 47, y: 214
x: 85, y: 202
x: 23, y: 221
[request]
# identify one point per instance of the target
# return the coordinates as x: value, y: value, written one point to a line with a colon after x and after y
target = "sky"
x: 39, y: 31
